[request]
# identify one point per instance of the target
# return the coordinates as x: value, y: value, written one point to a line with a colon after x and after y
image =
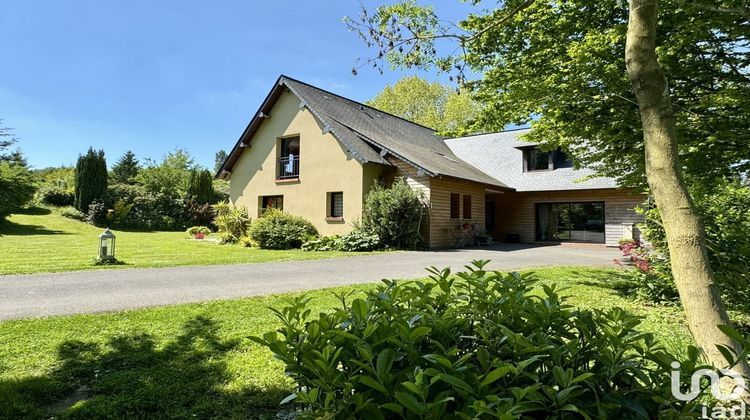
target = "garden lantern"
x: 107, y: 246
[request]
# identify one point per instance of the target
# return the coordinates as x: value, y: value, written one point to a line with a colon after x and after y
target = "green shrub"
x: 247, y: 242
x: 324, y: 243
x: 194, y: 230
x: 55, y: 196
x: 154, y: 211
x: 221, y: 190
x: 97, y: 214
x: 357, y: 241
x: 119, y: 213
x: 196, y: 212
x: 724, y: 211
x: 16, y: 188
x: 169, y: 177
x: 232, y: 222
x: 394, y: 214
x: 125, y: 192
x: 73, y: 213
x: 279, y: 230
x: 200, y: 186
x: 479, y: 345
x: 651, y: 279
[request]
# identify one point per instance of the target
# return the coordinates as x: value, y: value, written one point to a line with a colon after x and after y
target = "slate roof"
x: 369, y: 134
x: 497, y: 154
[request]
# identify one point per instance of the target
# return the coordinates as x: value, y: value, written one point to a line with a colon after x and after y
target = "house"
x: 316, y: 154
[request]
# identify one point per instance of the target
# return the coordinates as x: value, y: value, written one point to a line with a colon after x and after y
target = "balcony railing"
x: 289, y: 167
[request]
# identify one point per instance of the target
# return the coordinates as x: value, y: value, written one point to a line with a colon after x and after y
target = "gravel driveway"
x: 37, y: 295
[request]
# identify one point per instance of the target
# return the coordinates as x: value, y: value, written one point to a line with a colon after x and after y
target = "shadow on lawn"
x: 621, y: 282
x: 35, y: 211
x: 133, y: 377
x: 14, y: 229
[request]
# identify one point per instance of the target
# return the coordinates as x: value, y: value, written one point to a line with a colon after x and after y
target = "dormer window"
x: 535, y: 159
x: 538, y: 160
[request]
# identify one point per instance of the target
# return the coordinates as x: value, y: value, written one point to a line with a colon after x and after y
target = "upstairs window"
x: 467, y: 207
x: 455, y: 206
x: 288, y: 158
x: 561, y: 159
x: 537, y: 160
x: 290, y: 146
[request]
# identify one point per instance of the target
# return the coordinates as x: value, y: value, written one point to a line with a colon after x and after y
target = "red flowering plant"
x: 652, y: 280
x: 633, y: 250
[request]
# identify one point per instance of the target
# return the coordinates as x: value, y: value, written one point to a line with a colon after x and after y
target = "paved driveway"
x: 96, y: 291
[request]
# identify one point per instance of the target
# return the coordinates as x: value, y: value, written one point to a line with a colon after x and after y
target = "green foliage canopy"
x: 219, y: 159
x: 126, y: 169
x: 16, y: 188
x: 200, y: 186
x: 725, y: 212
x: 430, y: 104
x: 560, y: 66
x: 169, y: 177
x: 17, y: 184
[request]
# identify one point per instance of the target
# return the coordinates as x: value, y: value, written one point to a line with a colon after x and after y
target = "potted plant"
x: 198, y: 232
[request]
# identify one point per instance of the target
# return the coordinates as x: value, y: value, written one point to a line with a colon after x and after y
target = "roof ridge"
x: 360, y: 103
x: 489, y: 134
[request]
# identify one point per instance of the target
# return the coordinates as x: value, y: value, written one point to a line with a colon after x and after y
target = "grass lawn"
x: 195, y: 360
x: 47, y: 242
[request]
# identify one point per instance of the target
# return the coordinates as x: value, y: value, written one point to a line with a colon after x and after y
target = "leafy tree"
x: 430, y: 104
x: 16, y: 188
x: 169, y: 177
x: 17, y: 184
x: 7, y: 139
x: 60, y: 177
x: 90, y: 179
x: 724, y: 210
x: 588, y: 76
x: 219, y: 159
x: 201, y: 186
x: 126, y: 169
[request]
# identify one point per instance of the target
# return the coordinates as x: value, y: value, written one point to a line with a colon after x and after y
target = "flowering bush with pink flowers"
x: 652, y: 278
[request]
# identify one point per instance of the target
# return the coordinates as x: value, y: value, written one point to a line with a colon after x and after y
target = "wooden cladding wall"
x: 416, y: 181
x: 409, y: 173
x: 515, y: 212
x: 443, y: 229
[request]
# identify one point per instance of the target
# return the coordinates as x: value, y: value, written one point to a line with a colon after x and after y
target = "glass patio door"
x: 570, y: 222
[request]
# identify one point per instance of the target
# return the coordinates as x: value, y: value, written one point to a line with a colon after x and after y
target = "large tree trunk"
x: 685, y: 234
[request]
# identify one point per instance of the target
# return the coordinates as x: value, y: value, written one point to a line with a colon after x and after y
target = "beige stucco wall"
x: 515, y: 212
x: 325, y: 166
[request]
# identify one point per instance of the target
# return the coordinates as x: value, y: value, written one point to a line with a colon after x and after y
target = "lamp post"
x: 106, y: 246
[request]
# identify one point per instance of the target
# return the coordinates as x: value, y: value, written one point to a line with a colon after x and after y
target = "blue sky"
x: 152, y: 76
